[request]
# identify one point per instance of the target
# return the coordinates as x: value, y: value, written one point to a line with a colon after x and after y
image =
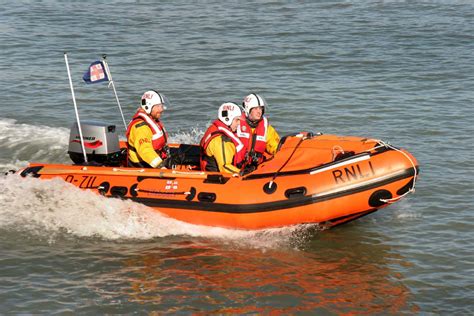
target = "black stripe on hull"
x: 347, y: 219
x: 268, y: 206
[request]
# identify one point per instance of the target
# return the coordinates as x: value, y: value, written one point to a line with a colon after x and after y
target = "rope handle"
x: 380, y: 144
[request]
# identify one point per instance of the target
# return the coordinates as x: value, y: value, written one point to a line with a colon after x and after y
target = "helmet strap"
x: 252, y: 124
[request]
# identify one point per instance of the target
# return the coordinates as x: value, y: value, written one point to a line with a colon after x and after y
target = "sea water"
x: 401, y: 71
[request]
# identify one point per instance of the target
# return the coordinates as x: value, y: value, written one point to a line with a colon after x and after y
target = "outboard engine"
x: 101, y: 143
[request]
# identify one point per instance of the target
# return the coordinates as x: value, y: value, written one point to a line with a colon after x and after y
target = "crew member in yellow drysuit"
x: 146, y: 135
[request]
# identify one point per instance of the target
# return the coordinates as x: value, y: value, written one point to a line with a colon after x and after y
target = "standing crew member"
x: 146, y: 135
x: 221, y: 149
x: 257, y: 135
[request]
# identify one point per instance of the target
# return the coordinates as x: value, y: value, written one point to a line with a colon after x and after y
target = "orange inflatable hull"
x: 326, y: 179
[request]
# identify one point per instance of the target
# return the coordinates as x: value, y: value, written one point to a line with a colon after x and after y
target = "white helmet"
x: 252, y: 101
x: 151, y: 98
x: 227, y: 112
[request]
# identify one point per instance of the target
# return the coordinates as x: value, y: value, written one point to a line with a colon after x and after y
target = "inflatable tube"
x: 324, y: 179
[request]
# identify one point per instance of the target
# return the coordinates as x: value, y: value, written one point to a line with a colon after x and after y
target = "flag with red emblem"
x: 96, y: 73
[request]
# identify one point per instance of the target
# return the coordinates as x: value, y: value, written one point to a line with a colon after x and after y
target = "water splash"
x: 188, y: 137
x: 54, y: 208
x: 20, y: 143
x: 51, y: 209
x: 23, y: 143
x: 407, y: 213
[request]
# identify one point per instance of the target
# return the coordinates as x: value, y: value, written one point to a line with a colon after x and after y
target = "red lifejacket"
x: 244, y: 132
x: 218, y: 128
x: 160, y: 136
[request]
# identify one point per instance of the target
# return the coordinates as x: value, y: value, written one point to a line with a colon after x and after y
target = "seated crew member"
x: 221, y: 149
x: 146, y: 135
x: 257, y: 135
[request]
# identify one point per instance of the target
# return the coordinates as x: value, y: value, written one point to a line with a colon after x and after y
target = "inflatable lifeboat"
x: 313, y: 178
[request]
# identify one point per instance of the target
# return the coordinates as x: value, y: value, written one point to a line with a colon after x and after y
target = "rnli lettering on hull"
x: 354, y: 172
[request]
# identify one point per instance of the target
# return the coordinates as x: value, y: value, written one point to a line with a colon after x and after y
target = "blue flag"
x: 96, y: 73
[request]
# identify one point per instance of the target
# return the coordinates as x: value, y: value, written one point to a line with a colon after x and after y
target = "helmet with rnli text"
x: 252, y: 101
x: 228, y: 111
x: 152, y: 98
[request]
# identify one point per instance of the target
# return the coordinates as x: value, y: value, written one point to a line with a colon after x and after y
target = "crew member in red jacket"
x: 221, y: 149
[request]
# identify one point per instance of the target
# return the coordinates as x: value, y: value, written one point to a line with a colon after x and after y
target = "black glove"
x: 247, y: 169
x: 167, y: 163
x: 254, y: 158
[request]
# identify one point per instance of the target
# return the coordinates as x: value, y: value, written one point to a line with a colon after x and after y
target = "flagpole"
x: 111, y: 82
x: 75, y: 108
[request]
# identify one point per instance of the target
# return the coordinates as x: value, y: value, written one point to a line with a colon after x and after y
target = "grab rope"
x: 302, y: 138
x: 126, y: 170
x: 381, y: 144
x: 118, y: 169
